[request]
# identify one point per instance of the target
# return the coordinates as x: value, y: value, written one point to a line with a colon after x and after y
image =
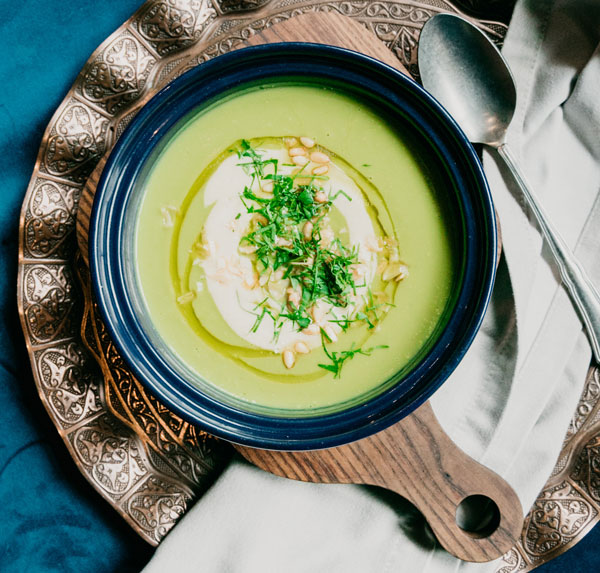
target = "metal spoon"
x: 467, y: 74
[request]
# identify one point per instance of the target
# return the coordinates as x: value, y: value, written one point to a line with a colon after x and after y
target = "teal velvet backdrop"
x: 52, y: 520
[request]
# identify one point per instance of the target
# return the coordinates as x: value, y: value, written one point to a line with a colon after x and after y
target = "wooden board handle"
x: 416, y: 459
x: 429, y: 469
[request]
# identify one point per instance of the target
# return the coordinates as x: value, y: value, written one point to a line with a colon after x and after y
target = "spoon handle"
x: 584, y: 294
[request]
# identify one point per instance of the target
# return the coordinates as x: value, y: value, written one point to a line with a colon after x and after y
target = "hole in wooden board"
x: 478, y: 515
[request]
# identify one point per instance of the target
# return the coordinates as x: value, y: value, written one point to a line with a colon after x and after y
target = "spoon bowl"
x: 467, y: 74
x: 479, y: 90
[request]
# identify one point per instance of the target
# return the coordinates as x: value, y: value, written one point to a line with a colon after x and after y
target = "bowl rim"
x: 229, y: 71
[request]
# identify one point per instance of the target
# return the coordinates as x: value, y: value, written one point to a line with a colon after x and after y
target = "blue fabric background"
x: 52, y: 520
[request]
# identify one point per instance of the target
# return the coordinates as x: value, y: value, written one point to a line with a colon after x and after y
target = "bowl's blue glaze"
x: 387, y: 89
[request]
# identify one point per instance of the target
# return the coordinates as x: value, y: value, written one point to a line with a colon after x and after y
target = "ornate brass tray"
x: 146, y: 462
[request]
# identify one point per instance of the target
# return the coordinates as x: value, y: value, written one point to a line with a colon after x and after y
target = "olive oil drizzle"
x: 378, y: 213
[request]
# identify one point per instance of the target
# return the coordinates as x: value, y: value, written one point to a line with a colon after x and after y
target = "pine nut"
x: 307, y: 230
x: 321, y: 197
x: 259, y: 218
x: 268, y: 187
x: 301, y: 348
x: 290, y: 141
x: 289, y: 359
x: 317, y: 314
x: 307, y: 142
x: 321, y: 170
x: 319, y: 157
x: 296, y: 151
x: 300, y: 160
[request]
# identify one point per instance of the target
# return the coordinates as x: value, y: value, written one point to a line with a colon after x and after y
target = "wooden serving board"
x: 415, y: 458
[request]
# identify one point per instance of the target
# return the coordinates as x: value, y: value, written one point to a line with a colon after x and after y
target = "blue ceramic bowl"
x: 117, y: 198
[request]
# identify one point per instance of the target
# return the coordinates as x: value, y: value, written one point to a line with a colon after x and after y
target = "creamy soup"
x: 292, y: 248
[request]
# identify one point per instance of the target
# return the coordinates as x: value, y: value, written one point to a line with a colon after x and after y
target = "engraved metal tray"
x: 146, y: 462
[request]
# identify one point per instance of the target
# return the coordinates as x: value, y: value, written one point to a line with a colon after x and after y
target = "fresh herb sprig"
x: 339, y: 358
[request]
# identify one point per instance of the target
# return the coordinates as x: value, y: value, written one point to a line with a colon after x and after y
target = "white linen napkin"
x: 510, y: 401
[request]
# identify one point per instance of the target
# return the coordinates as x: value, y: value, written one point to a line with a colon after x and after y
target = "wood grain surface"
x: 414, y: 458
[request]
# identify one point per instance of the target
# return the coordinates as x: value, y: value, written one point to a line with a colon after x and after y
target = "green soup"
x: 346, y: 202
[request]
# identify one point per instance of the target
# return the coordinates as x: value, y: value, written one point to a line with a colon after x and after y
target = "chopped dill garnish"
x: 291, y: 239
x: 322, y: 272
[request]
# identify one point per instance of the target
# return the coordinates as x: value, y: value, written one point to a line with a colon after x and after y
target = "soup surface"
x: 292, y: 250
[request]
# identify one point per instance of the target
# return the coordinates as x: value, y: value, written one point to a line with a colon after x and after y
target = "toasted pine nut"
x: 290, y: 141
x: 268, y: 187
x: 307, y: 142
x: 259, y: 218
x: 300, y: 160
x: 247, y: 249
x: 321, y: 197
x: 297, y: 151
x: 289, y: 359
x: 319, y: 157
x: 294, y: 298
x: 330, y: 333
x: 307, y: 230
x: 301, y: 348
x: 321, y: 170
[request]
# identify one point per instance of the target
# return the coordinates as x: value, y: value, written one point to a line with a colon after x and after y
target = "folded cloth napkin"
x: 510, y: 401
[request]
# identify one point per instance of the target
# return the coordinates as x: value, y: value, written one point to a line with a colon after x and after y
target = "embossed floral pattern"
x: 173, y: 25
x: 118, y: 75
x: 70, y: 384
x: 76, y: 142
x: 50, y: 219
